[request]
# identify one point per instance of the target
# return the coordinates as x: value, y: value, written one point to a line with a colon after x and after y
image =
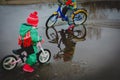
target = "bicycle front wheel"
x: 7, y: 62
x: 79, y: 17
x: 79, y: 31
x: 51, y: 20
x: 44, y: 57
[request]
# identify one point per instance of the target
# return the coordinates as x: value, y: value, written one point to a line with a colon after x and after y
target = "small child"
x: 68, y: 9
x: 28, y: 40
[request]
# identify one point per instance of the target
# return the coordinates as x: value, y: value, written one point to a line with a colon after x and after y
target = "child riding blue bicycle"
x: 68, y: 13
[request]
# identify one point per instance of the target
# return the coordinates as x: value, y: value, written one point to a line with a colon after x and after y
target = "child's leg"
x: 64, y: 10
x: 70, y: 20
x: 32, y: 57
x: 31, y: 60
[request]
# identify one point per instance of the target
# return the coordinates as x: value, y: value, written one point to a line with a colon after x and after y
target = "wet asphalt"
x: 95, y: 57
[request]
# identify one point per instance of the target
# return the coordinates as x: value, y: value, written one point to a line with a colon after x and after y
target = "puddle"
x: 97, y: 54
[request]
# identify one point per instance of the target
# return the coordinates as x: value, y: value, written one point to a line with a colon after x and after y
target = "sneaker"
x: 27, y: 68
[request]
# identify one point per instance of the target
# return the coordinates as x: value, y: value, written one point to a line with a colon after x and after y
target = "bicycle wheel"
x: 7, y: 62
x: 44, y: 57
x: 51, y: 20
x: 51, y: 34
x: 79, y: 17
x: 79, y: 31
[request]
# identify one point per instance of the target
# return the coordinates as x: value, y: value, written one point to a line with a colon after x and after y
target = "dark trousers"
x: 64, y: 10
x: 29, y: 50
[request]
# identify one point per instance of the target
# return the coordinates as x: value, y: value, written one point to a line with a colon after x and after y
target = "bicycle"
x: 79, y: 16
x: 11, y: 61
x: 78, y: 32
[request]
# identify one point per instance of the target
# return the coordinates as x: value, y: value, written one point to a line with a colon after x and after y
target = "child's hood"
x: 24, y: 29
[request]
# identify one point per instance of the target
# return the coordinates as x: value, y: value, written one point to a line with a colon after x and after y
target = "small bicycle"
x: 79, y: 16
x: 10, y: 62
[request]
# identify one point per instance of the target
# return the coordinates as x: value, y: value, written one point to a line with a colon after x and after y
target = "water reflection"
x: 68, y: 51
x: 93, y: 32
x: 66, y: 41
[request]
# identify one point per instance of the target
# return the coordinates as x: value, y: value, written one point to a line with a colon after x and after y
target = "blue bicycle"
x: 79, y: 16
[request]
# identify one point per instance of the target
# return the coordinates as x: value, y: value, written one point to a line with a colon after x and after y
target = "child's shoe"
x: 27, y: 68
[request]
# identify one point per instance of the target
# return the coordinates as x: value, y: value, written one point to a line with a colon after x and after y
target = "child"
x: 69, y: 2
x: 28, y: 40
x: 68, y: 9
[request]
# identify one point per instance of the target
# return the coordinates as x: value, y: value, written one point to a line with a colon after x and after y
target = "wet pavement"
x: 95, y: 57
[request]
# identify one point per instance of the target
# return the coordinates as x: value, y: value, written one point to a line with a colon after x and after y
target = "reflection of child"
x: 69, y: 44
x: 28, y: 40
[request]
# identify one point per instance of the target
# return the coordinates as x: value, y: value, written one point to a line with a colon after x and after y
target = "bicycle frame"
x: 61, y: 15
x: 20, y: 58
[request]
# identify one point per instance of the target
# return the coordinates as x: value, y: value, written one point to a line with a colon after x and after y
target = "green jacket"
x: 33, y: 32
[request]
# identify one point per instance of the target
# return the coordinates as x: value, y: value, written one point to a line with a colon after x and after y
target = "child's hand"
x: 42, y: 41
x: 39, y: 44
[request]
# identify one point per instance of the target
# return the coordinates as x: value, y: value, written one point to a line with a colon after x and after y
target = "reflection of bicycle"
x: 51, y: 33
x: 66, y: 53
x: 10, y: 62
x: 77, y: 32
x: 79, y: 16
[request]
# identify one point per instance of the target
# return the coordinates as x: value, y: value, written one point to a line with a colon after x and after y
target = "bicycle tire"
x: 51, y: 33
x: 7, y: 66
x: 79, y: 16
x: 80, y: 31
x: 40, y: 58
x: 52, y: 23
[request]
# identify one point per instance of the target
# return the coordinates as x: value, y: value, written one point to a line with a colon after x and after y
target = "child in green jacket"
x: 28, y: 40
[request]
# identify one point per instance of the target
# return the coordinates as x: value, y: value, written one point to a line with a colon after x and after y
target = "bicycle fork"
x: 43, y: 52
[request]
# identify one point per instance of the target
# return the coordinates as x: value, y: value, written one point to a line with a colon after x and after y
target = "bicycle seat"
x: 17, y: 51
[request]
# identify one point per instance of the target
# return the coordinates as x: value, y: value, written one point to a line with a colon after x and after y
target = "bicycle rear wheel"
x: 51, y: 20
x: 7, y: 62
x: 79, y: 31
